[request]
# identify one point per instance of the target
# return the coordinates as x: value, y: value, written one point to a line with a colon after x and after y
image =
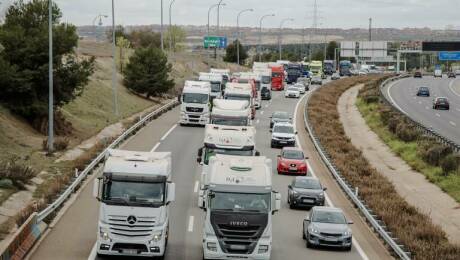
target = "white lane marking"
x: 155, y: 147
x: 452, y: 123
x: 262, y: 112
x: 190, y: 223
x: 451, y: 87
x: 392, y: 100
x: 438, y: 115
x: 458, y: 109
x: 197, y: 184
x: 427, y: 107
x: 258, y: 121
x: 93, y: 253
x: 167, y: 133
x: 420, y: 102
x: 267, y: 105
x: 310, y: 168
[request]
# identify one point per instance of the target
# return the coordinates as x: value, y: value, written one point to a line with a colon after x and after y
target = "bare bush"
x: 16, y: 170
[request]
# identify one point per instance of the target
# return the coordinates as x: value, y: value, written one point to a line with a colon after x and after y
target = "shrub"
x: 449, y: 164
x: 393, y: 123
x: 406, y: 133
x: 15, y: 170
x: 60, y: 143
x: 435, y: 153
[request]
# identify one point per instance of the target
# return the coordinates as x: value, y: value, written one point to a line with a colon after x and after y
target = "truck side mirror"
x: 171, y: 193
x: 96, y: 186
x: 257, y: 153
x: 200, y: 155
x: 201, y: 203
x: 179, y: 99
x: 277, y: 202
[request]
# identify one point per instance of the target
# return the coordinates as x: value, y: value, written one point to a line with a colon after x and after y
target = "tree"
x: 24, y: 61
x: 119, y: 32
x: 176, y: 35
x: 318, y: 55
x: 147, y: 72
x: 144, y: 39
x: 122, y: 44
x: 331, y: 48
x: 231, y: 54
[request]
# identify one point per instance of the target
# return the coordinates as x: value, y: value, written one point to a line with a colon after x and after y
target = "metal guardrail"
x: 376, y: 224
x: 426, y: 130
x: 82, y: 175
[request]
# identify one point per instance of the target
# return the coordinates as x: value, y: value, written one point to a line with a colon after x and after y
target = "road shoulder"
x: 413, y: 186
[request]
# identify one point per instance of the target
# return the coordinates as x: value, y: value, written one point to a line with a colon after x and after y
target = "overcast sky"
x: 333, y: 13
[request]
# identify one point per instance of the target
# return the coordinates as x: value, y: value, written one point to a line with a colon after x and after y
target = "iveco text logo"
x: 239, y: 223
x: 131, y: 220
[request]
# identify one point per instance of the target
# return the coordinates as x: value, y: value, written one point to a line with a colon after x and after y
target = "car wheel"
x: 291, y: 206
x: 309, y: 245
x: 303, y: 232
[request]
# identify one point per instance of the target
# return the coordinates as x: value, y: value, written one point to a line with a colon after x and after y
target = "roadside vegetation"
x: 422, y: 153
x: 413, y: 229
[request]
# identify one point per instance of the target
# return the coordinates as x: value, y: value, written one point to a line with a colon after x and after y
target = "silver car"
x: 279, y: 117
x: 327, y: 226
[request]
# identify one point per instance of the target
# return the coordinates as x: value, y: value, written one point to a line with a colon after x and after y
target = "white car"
x: 301, y: 87
x: 292, y: 92
x: 335, y: 76
x: 283, y: 134
x: 317, y: 80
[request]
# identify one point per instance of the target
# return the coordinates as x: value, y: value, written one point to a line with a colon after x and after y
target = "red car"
x: 292, y: 161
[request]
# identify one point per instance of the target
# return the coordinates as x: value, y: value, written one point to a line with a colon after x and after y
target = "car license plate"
x: 130, y: 251
x: 331, y: 239
x: 293, y: 168
x: 307, y: 201
x: 283, y: 142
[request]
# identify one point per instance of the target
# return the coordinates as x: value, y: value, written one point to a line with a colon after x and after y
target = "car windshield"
x: 423, y: 89
x: 215, y: 87
x: 131, y: 193
x: 284, y: 129
x: 331, y: 217
x: 232, y: 121
x: 442, y: 99
x: 293, y: 155
x: 240, y: 202
x: 311, y: 184
x: 280, y: 115
x: 238, y: 97
x: 195, y: 98
x: 293, y: 89
x: 266, y: 79
x: 212, y: 152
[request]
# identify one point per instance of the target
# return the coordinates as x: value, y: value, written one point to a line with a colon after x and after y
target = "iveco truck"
x: 231, y: 112
x: 135, y: 192
x: 239, y: 201
x: 195, y: 103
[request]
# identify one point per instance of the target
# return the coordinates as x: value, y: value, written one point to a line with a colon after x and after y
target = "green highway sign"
x: 215, y: 42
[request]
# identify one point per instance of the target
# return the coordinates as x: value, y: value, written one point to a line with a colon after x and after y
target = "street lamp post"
x: 281, y: 34
x: 209, y: 14
x: 161, y: 28
x: 260, y: 35
x: 114, y: 65
x: 50, y: 79
x: 170, y: 25
x: 238, y: 34
x: 218, y: 15
x: 100, y: 16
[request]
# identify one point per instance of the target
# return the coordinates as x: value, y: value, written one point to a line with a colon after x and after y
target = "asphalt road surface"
x: 74, y: 236
x: 445, y: 122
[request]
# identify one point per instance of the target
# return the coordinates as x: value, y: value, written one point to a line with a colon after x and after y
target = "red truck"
x: 277, y: 77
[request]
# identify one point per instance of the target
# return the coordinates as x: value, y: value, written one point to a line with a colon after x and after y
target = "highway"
x: 74, y: 236
x: 445, y: 122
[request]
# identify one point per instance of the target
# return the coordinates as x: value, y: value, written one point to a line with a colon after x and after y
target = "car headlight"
x: 212, y: 246
x: 347, y: 233
x: 321, y: 195
x: 314, y: 230
x: 263, y: 249
x: 157, y: 235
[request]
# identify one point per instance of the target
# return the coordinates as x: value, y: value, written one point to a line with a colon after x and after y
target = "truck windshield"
x: 134, y: 193
x: 266, y: 79
x: 277, y: 74
x: 240, y: 202
x: 215, y: 87
x: 232, y: 121
x: 210, y: 152
x: 195, y: 98
x: 238, y: 97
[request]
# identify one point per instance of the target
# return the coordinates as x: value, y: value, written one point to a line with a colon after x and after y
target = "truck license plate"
x: 130, y: 251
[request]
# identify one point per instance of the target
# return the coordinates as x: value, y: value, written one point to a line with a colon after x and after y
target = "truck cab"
x: 241, y: 91
x: 294, y: 71
x: 345, y: 68
x: 255, y: 80
x: 277, y: 78
x: 329, y: 67
x: 216, y: 81
x: 316, y: 68
x: 195, y: 103
x: 239, y: 201
x: 265, y: 83
x: 231, y: 112
x: 135, y: 192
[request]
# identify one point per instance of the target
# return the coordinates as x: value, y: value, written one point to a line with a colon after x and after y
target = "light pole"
x: 218, y: 16
x: 238, y: 34
x: 280, y: 35
x: 50, y: 79
x: 170, y: 25
x: 100, y: 16
x: 209, y: 13
x: 260, y: 34
x: 114, y: 65
x: 161, y: 28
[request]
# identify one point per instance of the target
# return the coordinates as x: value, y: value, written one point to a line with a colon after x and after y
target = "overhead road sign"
x: 449, y: 55
x: 441, y: 46
x: 215, y: 42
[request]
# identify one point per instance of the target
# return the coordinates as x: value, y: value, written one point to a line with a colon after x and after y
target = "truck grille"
x: 141, y: 227
x: 194, y: 109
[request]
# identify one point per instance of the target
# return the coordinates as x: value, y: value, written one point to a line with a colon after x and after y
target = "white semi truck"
x: 216, y: 81
x: 224, y: 72
x: 239, y: 201
x: 231, y: 112
x: 256, y: 78
x: 242, y: 91
x: 195, y: 103
x: 135, y: 192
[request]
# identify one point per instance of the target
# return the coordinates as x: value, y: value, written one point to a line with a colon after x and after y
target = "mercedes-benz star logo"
x: 131, y: 220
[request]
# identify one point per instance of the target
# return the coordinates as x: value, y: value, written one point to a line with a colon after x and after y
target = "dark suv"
x: 418, y: 74
x: 441, y: 103
x: 451, y: 74
x: 265, y: 93
x: 423, y: 92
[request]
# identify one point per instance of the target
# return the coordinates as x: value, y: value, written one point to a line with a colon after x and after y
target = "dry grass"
x: 415, y: 230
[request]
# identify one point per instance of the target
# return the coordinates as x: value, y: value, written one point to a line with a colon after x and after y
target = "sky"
x: 332, y: 13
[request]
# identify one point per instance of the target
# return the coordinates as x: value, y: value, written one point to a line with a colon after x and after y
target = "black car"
x: 423, y: 92
x: 418, y: 74
x: 441, y: 103
x: 265, y: 93
x: 305, y: 192
x: 451, y: 74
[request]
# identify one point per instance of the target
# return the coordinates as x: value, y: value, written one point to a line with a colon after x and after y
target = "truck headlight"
x: 212, y: 246
x: 104, y: 234
x: 157, y: 236
x: 263, y: 249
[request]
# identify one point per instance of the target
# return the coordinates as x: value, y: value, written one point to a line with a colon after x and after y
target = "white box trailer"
x: 135, y: 192
x: 231, y: 112
x: 239, y: 201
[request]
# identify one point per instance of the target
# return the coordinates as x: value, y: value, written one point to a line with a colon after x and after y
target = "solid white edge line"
x: 452, y: 123
x: 451, y: 87
x: 328, y: 200
x: 391, y: 98
x: 167, y: 133
x: 190, y: 223
x: 197, y: 185
x: 155, y: 147
x: 93, y: 253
